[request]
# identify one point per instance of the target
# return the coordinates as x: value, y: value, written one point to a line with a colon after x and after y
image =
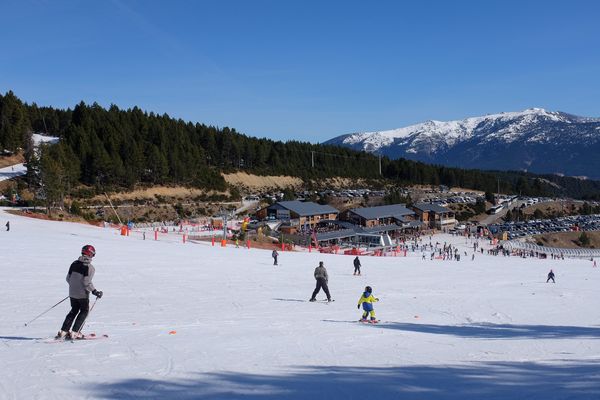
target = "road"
x: 492, y: 219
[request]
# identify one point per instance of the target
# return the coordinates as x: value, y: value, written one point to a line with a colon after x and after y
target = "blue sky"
x: 305, y: 70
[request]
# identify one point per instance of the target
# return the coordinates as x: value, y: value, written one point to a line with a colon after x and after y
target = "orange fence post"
x: 248, y: 243
x: 213, y: 241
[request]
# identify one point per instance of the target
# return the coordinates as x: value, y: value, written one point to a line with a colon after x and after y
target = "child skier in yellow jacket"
x: 367, y: 301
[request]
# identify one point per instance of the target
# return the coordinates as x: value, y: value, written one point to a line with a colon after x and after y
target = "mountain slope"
x: 535, y: 140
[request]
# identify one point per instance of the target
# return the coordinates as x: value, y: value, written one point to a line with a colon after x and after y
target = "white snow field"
x: 484, y: 329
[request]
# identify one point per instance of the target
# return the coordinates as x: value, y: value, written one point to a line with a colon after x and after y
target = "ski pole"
x: 46, y: 311
x: 86, y: 317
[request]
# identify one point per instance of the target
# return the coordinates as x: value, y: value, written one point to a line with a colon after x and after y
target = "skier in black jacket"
x: 357, y: 266
x: 79, y: 277
x: 550, y: 276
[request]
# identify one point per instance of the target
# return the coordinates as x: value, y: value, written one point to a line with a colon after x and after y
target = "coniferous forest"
x: 114, y: 148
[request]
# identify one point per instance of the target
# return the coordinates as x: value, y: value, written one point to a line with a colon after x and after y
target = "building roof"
x: 431, y: 207
x: 392, y: 210
x: 341, y: 234
x: 343, y: 224
x: 305, y: 208
x: 381, y: 228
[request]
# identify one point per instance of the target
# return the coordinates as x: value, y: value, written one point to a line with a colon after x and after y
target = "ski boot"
x: 312, y: 300
x: 61, y: 335
x: 75, y: 335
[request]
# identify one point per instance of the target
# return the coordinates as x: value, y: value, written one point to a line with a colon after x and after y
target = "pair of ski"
x: 369, y: 321
x: 91, y: 336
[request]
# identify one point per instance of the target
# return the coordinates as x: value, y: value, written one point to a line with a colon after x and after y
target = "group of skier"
x: 81, y: 273
x: 366, y: 299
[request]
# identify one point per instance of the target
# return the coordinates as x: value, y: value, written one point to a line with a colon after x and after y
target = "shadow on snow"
x: 500, y: 331
x: 293, y: 300
x: 18, y: 338
x: 490, y: 381
x: 494, y: 331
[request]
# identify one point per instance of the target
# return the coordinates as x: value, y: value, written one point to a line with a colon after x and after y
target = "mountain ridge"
x: 534, y: 140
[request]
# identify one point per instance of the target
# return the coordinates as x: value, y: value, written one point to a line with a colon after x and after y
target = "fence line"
x: 574, y: 253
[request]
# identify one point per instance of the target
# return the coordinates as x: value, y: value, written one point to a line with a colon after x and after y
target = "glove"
x: 97, y: 293
x: 376, y: 298
x: 358, y: 306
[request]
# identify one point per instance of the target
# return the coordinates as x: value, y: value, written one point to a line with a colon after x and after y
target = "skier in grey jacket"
x: 322, y: 279
x: 79, y: 278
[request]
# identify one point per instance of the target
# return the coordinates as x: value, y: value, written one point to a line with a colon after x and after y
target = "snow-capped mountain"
x: 535, y: 140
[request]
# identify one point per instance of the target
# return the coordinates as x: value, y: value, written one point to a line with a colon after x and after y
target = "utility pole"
x: 312, y: 159
x: 115, y: 211
x: 379, y: 164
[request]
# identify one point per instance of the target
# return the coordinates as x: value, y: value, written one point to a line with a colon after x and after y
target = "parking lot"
x: 535, y: 227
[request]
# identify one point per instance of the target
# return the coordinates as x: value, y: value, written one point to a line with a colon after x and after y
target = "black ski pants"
x: 321, y: 283
x: 357, y: 269
x: 79, y: 309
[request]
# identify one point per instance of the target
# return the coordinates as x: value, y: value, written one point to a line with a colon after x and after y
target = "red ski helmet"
x: 88, y: 250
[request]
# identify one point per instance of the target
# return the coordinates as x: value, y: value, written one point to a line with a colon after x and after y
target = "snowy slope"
x: 534, y: 139
x: 489, y: 329
x: 38, y: 139
x: 20, y: 169
x: 12, y: 172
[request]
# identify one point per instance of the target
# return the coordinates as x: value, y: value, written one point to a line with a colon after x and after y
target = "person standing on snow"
x: 7, y: 226
x: 550, y: 276
x: 367, y: 300
x: 322, y: 279
x: 274, y: 254
x: 357, y: 266
x: 79, y: 277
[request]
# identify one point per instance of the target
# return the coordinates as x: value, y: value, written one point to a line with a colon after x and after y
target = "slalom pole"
x: 27, y: 323
x: 86, y: 317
